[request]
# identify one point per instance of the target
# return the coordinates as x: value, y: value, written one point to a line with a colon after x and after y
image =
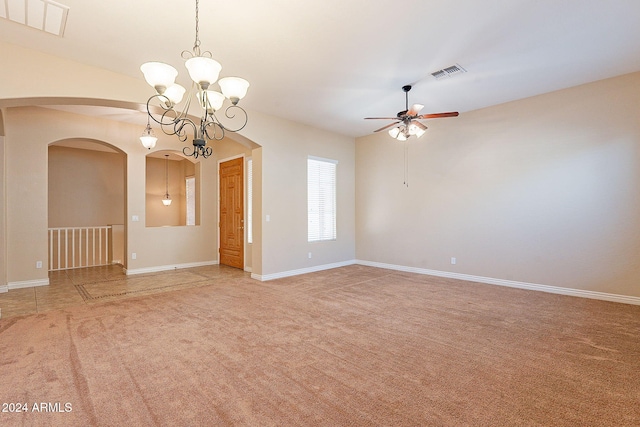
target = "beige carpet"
x: 354, y: 346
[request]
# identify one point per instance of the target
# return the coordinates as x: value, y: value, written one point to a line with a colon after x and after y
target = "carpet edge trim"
x: 625, y: 299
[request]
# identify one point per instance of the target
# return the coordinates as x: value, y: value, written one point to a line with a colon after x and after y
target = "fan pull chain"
x: 406, y: 164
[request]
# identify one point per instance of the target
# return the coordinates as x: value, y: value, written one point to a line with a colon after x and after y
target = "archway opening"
x: 86, y: 204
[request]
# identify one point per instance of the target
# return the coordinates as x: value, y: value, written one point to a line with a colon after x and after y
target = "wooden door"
x: 232, y: 213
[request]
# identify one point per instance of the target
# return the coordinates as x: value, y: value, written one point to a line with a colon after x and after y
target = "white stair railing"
x: 78, y: 247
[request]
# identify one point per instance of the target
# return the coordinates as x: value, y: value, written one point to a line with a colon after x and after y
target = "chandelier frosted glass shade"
x: 203, y: 71
x: 166, y: 200
x: 211, y: 100
x: 159, y: 75
x: 234, y: 88
x: 175, y: 93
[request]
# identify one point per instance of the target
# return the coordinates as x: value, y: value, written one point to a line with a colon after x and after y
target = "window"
x: 249, y: 201
x: 321, y: 199
x: 190, y: 191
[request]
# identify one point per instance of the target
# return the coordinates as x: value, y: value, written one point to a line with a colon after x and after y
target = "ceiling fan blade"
x: 415, y: 109
x: 381, y: 118
x: 438, y: 115
x: 420, y: 125
x: 386, y: 127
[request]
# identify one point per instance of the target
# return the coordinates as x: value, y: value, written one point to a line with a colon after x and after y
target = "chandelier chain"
x: 196, y: 45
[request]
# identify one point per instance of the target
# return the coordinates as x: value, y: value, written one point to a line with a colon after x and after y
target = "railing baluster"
x: 66, y: 248
x: 58, y: 240
x: 73, y: 248
x: 106, y: 245
x: 50, y: 249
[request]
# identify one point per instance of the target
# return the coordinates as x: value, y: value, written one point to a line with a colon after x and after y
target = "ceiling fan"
x: 408, y: 121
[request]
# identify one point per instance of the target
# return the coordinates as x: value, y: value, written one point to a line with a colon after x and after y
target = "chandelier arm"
x: 210, y: 124
x: 230, y: 114
x: 163, y: 102
x: 171, y: 123
x: 179, y: 128
x: 196, y: 151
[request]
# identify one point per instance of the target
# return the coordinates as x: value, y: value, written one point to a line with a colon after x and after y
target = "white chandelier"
x: 204, y: 72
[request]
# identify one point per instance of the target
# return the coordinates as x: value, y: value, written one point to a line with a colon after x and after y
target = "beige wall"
x: 543, y: 190
x: 86, y: 187
x: 256, y: 247
x: 29, y: 73
x: 26, y: 197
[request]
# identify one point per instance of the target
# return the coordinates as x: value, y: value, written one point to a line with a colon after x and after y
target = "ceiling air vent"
x: 448, y: 72
x: 45, y: 15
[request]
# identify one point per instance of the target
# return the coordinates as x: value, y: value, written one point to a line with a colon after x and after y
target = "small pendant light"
x: 166, y: 200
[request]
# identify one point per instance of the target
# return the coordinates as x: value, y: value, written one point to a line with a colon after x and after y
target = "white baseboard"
x: 28, y: 284
x: 4, y: 288
x: 159, y: 268
x: 625, y: 299
x: 265, y: 277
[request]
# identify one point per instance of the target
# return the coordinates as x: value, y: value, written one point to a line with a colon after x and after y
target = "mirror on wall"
x: 172, y: 190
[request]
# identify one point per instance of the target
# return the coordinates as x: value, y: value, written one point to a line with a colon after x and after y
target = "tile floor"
x: 96, y: 284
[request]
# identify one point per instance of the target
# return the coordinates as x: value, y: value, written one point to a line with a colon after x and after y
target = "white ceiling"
x: 331, y: 63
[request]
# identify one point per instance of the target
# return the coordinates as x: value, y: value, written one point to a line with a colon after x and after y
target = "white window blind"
x: 250, y: 201
x: 321, y: 199
x: 191, y: 200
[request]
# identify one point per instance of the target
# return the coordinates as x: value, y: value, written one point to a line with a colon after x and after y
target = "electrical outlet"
x: 453, y: 260
x: 38, y: 264
x: 309, y: 255
x: 133, y: 255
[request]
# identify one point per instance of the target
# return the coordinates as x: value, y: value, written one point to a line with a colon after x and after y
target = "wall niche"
x: 169, y: 172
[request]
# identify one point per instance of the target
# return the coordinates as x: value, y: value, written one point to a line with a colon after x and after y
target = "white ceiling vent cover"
x: 448, y: 72
x: 44, y: 15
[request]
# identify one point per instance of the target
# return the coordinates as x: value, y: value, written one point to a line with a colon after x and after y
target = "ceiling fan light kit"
x: 204, y: 72
x: 407, y: 122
